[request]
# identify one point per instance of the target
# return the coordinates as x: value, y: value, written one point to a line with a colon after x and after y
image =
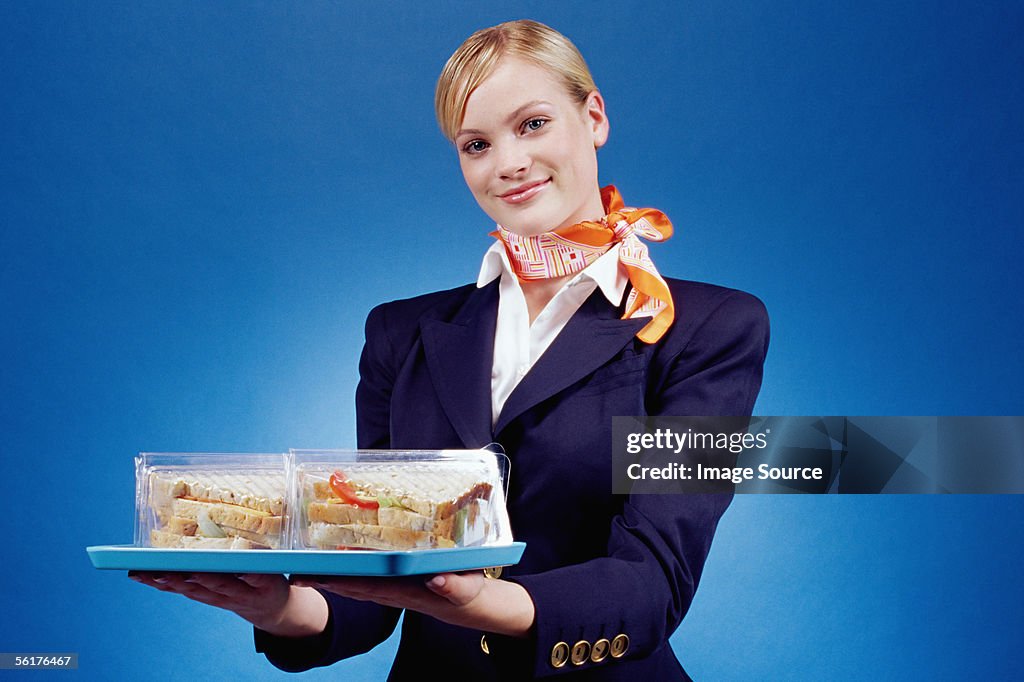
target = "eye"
x: 534, y: 124
x: 474, y: 147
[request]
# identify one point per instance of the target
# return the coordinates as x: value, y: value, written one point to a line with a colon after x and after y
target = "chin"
x: 529, y: 226
x: 526, y: 230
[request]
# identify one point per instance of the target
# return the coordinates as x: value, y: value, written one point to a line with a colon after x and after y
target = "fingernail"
x: 436, y: 581
x: 162, y: 580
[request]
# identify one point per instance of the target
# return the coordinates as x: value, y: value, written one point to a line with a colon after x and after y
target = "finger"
x: 157, y: 579
x: 439, y: 585
x: 226, y: 584
x: 172, y: 583
x: 161, y: 577
x: 198, y: 592
x: 261, y: 581
x: 459, y: 589
x: 346, y: 585
x: 152, y: 582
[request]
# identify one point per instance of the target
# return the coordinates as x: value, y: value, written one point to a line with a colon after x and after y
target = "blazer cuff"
x: 585, y: 606
x: 513, y: 657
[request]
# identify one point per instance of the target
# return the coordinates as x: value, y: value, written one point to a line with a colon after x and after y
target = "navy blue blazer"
x: 597, y: 565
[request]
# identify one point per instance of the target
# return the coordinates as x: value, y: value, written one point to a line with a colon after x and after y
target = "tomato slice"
x: 341, y: 488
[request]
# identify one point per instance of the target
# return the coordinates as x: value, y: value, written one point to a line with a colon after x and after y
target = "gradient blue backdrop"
x: 201, y: 201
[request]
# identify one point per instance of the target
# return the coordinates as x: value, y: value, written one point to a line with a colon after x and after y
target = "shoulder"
x: 402, y: 317
x: 417, y: 306
x: 711, y: 360
x: 697, y: 300
x: 714, y: 312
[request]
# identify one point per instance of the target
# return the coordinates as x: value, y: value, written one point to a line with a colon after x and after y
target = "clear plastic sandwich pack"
x: 399, y: 500
x: 322, y: 500
x: 212, y: 501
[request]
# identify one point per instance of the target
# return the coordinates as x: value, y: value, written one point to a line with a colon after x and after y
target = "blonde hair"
x: 477, y: 57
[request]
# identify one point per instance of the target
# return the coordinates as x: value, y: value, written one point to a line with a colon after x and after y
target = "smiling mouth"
x: 524, y: 192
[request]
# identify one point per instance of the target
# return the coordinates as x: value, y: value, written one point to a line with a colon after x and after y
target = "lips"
x: 524, y: 192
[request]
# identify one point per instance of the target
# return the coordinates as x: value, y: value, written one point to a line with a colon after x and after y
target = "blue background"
x: 201, y: 202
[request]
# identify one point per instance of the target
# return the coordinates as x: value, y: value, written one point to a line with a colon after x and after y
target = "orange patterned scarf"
x: 568, y: 250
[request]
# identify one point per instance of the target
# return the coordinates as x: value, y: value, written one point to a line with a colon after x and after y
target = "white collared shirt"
x: 517, y: 343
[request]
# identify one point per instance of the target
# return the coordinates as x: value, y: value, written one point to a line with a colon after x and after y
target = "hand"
x: 266, y: 601
x: 465, y: 599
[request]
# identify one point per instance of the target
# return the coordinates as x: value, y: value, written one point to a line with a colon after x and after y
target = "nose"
x: 512, y: 161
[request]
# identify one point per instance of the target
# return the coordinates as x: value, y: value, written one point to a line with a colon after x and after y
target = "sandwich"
x: 399, y: 508
x: 217, y: 509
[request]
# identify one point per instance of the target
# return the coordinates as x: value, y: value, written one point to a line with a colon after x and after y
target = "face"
x: 528, y: 152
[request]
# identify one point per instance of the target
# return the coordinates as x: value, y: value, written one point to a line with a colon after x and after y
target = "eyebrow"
x: 508, y: 119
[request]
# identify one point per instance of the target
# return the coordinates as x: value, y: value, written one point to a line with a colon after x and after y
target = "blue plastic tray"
x: 304, y: 562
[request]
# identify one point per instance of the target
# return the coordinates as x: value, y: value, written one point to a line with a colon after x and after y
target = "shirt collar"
x: 606, y: 272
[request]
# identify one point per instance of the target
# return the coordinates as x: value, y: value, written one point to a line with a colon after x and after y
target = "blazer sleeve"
x: 365, y: 624
x: 658, y: 545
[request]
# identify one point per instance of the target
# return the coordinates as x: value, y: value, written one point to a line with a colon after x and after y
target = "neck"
x: 539, y: 292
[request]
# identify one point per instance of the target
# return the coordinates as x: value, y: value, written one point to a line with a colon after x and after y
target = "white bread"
x: 229, y: 515
x: 180, y: 526
x: 396, y: 517
x: 336, y: 512
x: 331, y: 536
x: 261, y: 491
x: 167, y: 539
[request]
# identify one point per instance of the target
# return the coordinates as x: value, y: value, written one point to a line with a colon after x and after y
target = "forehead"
x: 513, y: 83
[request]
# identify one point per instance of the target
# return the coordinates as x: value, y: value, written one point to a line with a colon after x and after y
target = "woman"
x: 568, y: 325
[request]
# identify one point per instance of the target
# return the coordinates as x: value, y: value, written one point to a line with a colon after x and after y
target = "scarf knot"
x: 570, y: 249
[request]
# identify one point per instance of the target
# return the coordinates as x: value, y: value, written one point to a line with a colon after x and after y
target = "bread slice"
x: 331, y: 536
x: 337, y: 512
x: 190, y: 527
x: 396, y: 517
x: 229, y: 515
x: 169, y: 540
x: 181, y: 526
x: 260, y: 491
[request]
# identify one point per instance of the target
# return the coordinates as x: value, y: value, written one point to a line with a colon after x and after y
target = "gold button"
x: 580, y: 652
x: 559, y: 654
x: 494, y: 572
x: 483, y: 645
x: 619, y: 646
x: 600, y: 650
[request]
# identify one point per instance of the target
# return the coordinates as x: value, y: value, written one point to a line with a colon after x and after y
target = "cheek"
x: 570, y: 156
x: 584, y: 163
x: 474, y: 176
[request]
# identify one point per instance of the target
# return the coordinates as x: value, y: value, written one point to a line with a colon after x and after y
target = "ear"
x: 597, y: 118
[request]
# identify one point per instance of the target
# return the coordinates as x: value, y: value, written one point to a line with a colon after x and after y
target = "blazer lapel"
x: 459, y: 358
x: 589, y: 339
